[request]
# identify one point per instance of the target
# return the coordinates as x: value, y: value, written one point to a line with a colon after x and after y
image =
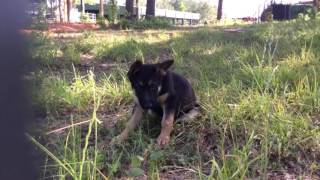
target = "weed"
x: 71, y: 54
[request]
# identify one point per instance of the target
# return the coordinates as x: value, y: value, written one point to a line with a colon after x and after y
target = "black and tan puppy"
x: 161, y: 92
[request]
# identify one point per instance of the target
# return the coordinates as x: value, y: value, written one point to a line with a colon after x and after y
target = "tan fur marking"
x: 167, y: 126
x: 132, y: 123
x: 163, y: 98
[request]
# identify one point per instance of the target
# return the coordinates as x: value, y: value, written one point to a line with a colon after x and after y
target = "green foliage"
x: 101, y: 21
x: 86, y: 43
x: 207, y: 10
x: 113, y: 11
x: 39, y: 22
x: 258, y: 90
x: 71, y: 54
x: 78, y: 160
x: 153, y: 23
x: 179, y: 5
x: 134, y: 172
x: 122, y: 51
x: 57, y: 92
x: 91, y: 2
x: 126, y: 50
x: 163, y: 4
x: 84, y: 18
x: 42, y: 49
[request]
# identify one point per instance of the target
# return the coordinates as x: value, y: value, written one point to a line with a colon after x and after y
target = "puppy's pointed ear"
x: 165, y: 65
x: 134, y: 68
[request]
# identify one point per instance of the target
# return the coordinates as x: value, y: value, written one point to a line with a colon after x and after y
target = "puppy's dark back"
x: 181, y: 90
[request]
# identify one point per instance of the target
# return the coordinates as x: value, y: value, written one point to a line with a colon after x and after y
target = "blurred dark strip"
x: 16, y: 161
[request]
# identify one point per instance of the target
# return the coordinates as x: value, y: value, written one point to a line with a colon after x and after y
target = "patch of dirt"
x: 316, y: 119
x: 71, y: 27
x: 287, y: 175
x: 178, y: 173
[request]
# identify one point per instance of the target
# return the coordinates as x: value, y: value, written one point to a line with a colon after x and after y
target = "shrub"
x: 71, y: 54
x: 113, y: 11
x: 42, y: 49
x: 39, y: 21
x: 101, y: 21
x: 153, y: 23
x: 86, y: 43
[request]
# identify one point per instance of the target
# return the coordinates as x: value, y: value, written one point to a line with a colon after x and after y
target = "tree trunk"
x: 51, y: 8
x: 129, y: 8
x: 219, y: 15
x: 316, y: 5
x: 60, y: 11
x: 82, y: 7
x: 151, y: 7
x: 137, y: 9
x: 69, y: 6
x: 65, y: 11
x: 101, y: 9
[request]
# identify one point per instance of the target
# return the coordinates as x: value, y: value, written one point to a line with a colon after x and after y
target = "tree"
x: 165, y: 4
x: 69, y: 7
x: 112, y: 11
x: 91, y: 2
x: 316, y: 5
x: 219, y: 15
x: 60, y: 11
x: 129, y: 8
x: 101, y: 8
x: 138, y: 12
x: 151, y: 8
x: 82, y: 7
x: 208, y: 11
x: 179, y: 5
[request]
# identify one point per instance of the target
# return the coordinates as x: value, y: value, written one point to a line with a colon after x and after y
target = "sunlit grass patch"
x: 258, y: 90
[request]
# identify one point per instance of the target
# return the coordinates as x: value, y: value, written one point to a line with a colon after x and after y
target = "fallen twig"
x: 67, y: 127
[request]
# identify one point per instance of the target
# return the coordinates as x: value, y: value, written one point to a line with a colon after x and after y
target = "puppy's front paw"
x: 163, y: 139
x: 120, y: 138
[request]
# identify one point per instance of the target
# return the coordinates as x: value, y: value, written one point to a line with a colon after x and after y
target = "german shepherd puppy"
x: 158, y: 91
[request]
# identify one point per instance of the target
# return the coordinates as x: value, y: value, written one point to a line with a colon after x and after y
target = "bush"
x: 43, y: 50
x: 113, y: 11
x: 101, y: 21
x: 85, y: 44
x: 71, y: 54
x: 39, y: 21
x: 153, y: 23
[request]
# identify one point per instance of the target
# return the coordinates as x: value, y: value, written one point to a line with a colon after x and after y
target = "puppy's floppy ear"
x: 134, y: 68
x: 165, y: 65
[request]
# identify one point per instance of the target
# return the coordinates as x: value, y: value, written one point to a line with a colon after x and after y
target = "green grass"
x: 259, y: 92
x: 154, y: 23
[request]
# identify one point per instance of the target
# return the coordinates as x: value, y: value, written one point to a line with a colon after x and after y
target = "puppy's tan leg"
x: 132, y: 123
x: 167, y: 126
